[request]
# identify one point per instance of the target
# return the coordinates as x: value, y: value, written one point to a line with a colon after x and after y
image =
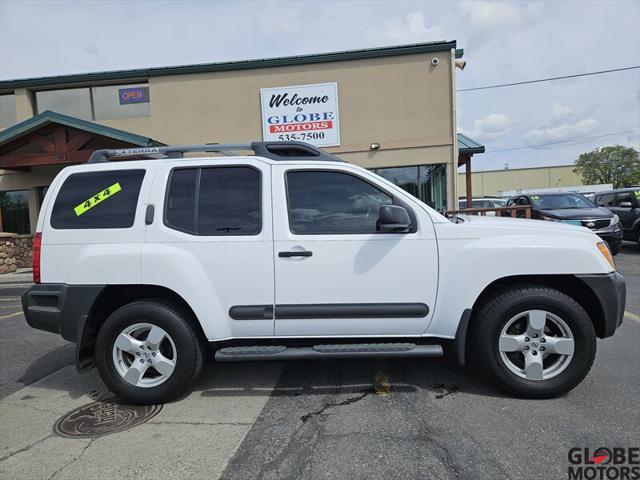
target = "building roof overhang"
x: 52, y: 138
x: 47, y: 117
x: 142, y: 74
x: 468, y: 146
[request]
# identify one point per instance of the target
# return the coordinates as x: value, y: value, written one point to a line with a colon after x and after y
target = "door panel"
x: 354, y: 283
x: 221, y: 260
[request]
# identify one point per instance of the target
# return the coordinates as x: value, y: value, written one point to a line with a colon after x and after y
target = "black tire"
x: 494, y: 314
x: 188, y: 345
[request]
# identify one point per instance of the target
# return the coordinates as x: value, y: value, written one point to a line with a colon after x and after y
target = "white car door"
x: 336, y: 275
x: 211, y: 242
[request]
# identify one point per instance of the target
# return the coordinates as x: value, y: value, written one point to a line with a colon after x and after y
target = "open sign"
x: 133, y: 95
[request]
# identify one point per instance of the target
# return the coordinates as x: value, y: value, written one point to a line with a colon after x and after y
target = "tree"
x: 617, y: 165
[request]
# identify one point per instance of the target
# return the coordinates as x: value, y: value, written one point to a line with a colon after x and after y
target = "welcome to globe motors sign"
x: 305, y: 113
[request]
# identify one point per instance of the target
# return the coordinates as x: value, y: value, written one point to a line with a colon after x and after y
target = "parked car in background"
x: 575, y: 209
x: 625, y: 203
x: 485, y: 202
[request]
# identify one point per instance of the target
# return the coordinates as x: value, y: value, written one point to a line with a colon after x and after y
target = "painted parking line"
x: 10, y: 315
x: 382, y: 385
x: 9, y: 299
x: 632, y: 316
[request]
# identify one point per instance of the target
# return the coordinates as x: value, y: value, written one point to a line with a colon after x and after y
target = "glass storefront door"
x: 426, y: 182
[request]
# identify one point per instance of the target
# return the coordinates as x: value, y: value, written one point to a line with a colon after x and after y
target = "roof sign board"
x: 306, y: 113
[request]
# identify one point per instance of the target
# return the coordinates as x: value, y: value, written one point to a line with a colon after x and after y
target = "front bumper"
x: 613, y: 238
x: 60, y: 308
x: 610, y: 290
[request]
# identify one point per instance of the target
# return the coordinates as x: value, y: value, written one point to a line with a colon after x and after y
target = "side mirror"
x: 600, y: 204
x: 625, y: 205
x: 393, y: 218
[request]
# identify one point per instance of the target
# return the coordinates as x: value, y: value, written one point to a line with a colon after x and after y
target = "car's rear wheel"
x: 533, y: 341
x: 149, y: 352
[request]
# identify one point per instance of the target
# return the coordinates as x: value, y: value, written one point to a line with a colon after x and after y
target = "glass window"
x: 181, y: 200
x: 75, y: 102
x: 228, y: 201
x: 560, y: 201
x: 405, y: 177
x: 14, y: 212
x: 426, y: 182
x: 625, y: 197
x: 121, y: 101
x: 98, y: 200
x: 606, y: 199
x: 481, y: 204
x: 7, y: 110
x: 323, y: 202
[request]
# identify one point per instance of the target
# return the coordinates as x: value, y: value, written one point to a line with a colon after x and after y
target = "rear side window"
x: 606, y: 199
x: 96, y: 200
x: 214, y: 201
x: 624, y: 197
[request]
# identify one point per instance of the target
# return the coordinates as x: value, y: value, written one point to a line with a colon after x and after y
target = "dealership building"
x: 392, y: 110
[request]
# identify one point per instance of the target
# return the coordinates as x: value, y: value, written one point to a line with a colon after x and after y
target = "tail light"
x: 37, y: 247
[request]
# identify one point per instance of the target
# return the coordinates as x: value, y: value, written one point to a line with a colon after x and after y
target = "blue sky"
x: 503, y: 42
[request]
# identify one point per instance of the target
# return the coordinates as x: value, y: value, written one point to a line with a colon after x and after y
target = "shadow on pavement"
x: 323, y: 377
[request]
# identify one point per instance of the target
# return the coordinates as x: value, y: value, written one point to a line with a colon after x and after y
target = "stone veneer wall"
x: 15, y: 252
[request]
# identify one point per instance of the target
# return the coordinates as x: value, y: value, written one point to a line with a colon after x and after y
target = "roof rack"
x: 271, y: 150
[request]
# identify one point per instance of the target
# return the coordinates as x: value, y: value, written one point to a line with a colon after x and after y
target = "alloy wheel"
x: 144, y: 355
x: 536, y: 345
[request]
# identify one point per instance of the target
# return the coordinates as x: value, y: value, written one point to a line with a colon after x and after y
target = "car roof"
x: 619, y: 190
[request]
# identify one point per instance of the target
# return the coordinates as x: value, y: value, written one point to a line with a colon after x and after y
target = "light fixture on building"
x: 374, y: 146
x: 461, y: 64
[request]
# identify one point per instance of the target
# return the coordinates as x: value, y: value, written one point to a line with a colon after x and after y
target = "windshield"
x: 554, y: 202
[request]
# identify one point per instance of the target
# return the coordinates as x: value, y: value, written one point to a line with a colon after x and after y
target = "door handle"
x: 295, y: 253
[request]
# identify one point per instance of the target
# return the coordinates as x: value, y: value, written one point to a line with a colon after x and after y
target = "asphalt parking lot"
x: 312, y: 419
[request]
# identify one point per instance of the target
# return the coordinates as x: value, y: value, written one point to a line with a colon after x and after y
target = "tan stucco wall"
x: 491, y: 182
x: 404, y: 103
x: 25, y: 104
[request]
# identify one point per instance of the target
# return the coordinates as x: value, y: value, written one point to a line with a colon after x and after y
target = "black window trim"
x: 394, y: 198
x: 135, y: 212
x: 196, y: 206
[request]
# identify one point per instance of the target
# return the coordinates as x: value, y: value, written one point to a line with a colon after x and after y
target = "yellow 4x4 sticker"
x: 97, y: 198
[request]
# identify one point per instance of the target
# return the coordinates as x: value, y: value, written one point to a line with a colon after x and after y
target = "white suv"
x: 150, y: 266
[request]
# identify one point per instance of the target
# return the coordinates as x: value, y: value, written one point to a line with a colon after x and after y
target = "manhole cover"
x: 102, y: 418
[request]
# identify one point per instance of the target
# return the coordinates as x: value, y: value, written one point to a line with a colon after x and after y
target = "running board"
x: 356, y: 350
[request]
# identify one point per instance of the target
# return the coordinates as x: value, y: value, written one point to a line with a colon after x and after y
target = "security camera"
x: 435, y: 61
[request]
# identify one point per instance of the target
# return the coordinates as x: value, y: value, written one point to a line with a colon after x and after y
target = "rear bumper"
x: 610, y: 290
x: 60, y: 308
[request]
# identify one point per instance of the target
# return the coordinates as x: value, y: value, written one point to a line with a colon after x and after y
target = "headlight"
x: 606, y: 253
x: 615, y: 220
x: 549, y: 219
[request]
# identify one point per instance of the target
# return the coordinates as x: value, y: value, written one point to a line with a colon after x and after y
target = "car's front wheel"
x: 533, y: 341
x: 148, y: 352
